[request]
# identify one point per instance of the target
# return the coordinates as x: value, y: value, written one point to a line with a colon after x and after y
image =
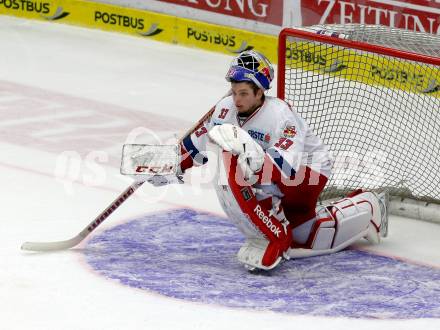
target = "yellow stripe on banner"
x: 365, y: 67
x: 224, y: 39
x: 344, y: 63
x: 142, y: 23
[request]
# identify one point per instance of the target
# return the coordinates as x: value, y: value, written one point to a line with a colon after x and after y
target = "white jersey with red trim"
x: 285, y: 137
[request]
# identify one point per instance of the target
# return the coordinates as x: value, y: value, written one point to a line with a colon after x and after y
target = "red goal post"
x: 372, y: 94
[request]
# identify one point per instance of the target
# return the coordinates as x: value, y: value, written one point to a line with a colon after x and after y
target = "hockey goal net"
x: 372, y: 94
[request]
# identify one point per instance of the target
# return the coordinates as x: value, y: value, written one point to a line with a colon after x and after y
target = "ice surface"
x: 69, y: 98
x: 196, y: 261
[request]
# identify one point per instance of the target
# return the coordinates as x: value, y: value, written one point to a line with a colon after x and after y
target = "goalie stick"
x: 67, y: 244
x: 62, y: 245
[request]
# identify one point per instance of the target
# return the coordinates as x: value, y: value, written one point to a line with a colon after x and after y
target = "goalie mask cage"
x: 372, y: 94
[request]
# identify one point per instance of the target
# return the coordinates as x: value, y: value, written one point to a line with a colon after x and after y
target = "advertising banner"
x: 144, y: 24
x: 415, y: 15
x: 265, y: 11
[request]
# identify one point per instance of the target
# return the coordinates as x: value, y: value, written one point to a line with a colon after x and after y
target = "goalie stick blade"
x: 51, y: 246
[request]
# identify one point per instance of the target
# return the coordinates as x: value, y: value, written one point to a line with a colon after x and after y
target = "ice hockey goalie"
x: 274, y: 168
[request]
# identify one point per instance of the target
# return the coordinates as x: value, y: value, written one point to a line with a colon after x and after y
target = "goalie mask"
x: 251, y: 66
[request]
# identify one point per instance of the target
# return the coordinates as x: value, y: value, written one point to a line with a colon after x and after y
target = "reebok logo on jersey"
x: 266, y: 220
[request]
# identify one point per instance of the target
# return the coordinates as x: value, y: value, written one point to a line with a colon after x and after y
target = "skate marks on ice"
x: 190, y: 255
x: 56, y: 122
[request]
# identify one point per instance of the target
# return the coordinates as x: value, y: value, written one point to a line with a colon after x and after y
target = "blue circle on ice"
x: 190, y: 255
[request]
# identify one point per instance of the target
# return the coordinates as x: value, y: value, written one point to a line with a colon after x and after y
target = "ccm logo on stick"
x: 266, y: 220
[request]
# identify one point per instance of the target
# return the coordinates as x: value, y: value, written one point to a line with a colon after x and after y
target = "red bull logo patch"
x: 289, y: 131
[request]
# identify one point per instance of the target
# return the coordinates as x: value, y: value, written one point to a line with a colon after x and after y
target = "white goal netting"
x: 372, y: 94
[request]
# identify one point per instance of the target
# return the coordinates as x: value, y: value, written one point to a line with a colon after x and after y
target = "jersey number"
x: 223, y: 113
x: 284, y: 143
x: 202, y: 130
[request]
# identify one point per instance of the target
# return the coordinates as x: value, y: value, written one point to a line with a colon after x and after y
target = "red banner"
x: 265, y: 11
x: 418, y: 15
